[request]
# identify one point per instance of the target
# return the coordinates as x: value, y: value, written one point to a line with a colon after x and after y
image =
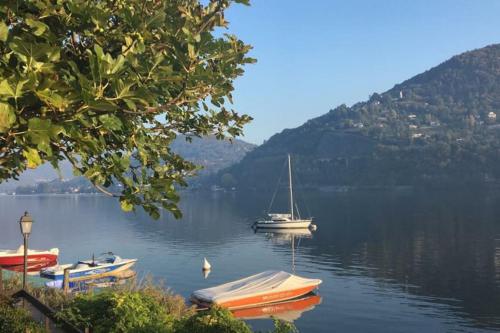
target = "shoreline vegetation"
x: 137, y: 306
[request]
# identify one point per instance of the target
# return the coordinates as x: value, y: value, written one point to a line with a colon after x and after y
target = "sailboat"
x: 285, y: 220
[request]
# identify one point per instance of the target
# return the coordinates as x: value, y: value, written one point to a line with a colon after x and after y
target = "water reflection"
x: 284, y: 235
x: 287, y: 311
x: 33, y: 268
x: 104, y: 281
x: 439, y: 246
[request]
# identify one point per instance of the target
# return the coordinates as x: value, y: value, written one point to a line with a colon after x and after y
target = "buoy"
x: 206, y: 265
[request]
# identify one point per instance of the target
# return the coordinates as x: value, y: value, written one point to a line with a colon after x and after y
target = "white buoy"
x: 206, y: 265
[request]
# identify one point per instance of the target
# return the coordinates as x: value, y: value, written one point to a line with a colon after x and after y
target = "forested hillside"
x: 439, y: 127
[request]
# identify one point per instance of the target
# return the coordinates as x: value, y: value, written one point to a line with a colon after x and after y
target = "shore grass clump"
x: 214, y: 320
x: 116, y: 311
x: 16, y: 320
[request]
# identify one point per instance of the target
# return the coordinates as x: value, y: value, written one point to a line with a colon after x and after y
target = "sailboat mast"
x: 291, y: 187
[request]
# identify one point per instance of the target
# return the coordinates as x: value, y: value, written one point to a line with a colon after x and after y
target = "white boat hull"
x: 295, y: 224
x: 263, y: 288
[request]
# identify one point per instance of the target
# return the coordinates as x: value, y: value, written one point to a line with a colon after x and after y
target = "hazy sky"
x: 314, y: 55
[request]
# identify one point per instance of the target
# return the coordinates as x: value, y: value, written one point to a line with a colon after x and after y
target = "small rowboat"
x: 35, y: 257
x: 89, y: 268
x: 263, y: 288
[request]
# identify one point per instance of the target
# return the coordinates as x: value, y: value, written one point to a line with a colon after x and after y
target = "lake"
x: 398, y: 261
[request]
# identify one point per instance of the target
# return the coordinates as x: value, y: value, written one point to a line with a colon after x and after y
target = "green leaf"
x: 118, y: 64
x: 39, y: 131
x: 4, y: 31
x: 99, y: 52
x: 126, y: 205
x: 191, y: 51
x: 6, y: 89
x: 52, y: 98
x: 7, y: 117
x: 101, y: 105
x: 38, y: 27
x: 21, y: 48
x: 111, y: 122
x: 19, y: 88
x: 32, y: 158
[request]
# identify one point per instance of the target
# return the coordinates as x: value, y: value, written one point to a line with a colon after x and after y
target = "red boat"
x: 35, y: 257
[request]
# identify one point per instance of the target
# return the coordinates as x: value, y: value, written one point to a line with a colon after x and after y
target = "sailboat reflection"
x: 285, y: 234
x: 289, y: 310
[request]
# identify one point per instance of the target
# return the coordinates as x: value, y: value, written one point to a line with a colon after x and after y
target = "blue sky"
x: 315, y: 55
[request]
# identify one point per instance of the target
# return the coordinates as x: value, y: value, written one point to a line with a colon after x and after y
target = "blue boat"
x: 108, y: 265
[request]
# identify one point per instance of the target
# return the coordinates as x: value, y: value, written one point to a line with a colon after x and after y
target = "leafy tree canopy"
x: 108, y: 85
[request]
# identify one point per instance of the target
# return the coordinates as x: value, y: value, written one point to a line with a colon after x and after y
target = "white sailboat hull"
x: 295, y: 224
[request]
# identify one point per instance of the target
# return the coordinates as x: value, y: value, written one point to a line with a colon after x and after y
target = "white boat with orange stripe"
x: 263, y: 288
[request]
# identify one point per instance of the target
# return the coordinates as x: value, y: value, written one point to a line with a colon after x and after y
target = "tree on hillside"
x: 108, y: 85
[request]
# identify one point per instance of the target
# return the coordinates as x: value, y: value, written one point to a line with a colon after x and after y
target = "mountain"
x: 439, y: 127
x: 211, y: 153
x: 208, y: 152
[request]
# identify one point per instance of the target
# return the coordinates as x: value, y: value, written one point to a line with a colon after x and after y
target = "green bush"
x: 16, y: 320
x: 119, y: 311
x: 147, y: 311
x: 215, y: 320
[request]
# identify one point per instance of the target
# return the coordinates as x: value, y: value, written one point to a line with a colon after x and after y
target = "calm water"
x: 390, y: 262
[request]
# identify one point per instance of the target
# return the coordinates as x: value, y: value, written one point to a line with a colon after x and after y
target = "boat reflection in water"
x: 288, y: 311
x: 33, y: 268
x: 103, y: 281
x: 285, y: 235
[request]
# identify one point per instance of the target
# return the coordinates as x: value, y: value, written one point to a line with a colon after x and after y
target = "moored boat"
x: 283, y: 221
x: 110, y: 264
x: 263, y: 288
x: 290, y: 220
x: 35, y: 257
